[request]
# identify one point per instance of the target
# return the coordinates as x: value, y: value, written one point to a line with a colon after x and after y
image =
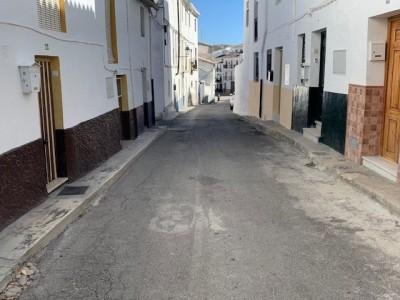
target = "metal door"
x: 47, y: 118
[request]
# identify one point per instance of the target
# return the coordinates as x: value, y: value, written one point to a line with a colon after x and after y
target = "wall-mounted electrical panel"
x: 30, y: 78
x: 377, y: 51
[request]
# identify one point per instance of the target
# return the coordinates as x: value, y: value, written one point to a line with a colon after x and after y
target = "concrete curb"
x: 326, y: 159
x: 16, y: 248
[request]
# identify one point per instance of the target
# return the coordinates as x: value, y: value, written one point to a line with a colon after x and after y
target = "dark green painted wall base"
x: 334, y: 117
x: 300, y: 108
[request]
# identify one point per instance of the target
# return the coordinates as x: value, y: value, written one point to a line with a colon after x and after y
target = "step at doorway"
x: 381, y: 166
x: 51, y: 121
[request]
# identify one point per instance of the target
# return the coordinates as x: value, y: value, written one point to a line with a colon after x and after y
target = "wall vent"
x: 51, y: 14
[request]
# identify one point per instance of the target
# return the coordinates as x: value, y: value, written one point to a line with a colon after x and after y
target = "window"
x: 302, y: 48
x: 269, y: 66
x: 51, y: 15
x: 142, y: 22
x: 256, y: 20
x: 247, y: 13
x: 256, y: 67
x: 195, y: 24
x: 111, y: 32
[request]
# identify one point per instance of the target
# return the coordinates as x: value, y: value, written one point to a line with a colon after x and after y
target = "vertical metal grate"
x: 50, y: 14
x: 47, y: 119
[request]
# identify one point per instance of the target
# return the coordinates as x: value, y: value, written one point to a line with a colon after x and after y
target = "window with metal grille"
x: 142, y: 22
x: 256, y: 21
x: 256, y: 67
x: 51, y: 15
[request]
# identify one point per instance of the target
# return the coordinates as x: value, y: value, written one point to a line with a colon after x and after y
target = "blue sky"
x: 220, y: 21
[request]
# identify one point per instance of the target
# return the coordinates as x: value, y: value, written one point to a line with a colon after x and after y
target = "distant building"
x: 227, y: 59
x: 207, y: 68
x: 181, y: 40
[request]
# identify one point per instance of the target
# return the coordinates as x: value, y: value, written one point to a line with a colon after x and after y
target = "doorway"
x: 51, y: 121
x: 391, y: 136
x: 317, y: 94
x: 122, y: 90
x: 278, y: 77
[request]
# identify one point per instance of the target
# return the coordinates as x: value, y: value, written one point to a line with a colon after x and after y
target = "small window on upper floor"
x: 269, y: 66
x: 256, y: 20
x: 195, y: 24
x: 111, y: 32
x: 256, y: 69
x: 51, y: 15
x: 142, y: 22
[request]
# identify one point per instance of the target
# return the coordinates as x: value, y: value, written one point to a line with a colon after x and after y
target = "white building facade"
x: 207, y: 68
x: 181, y: 53
x: 320, y: 67
x: 77, y: 76
x: 226, y: 72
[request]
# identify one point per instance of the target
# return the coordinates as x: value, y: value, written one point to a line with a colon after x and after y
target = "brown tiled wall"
x: 91, y: 143
x: 22, y: 181
x: 365, y: 115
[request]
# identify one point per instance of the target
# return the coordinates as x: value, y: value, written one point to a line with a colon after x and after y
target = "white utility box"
x: 30, y: 78
x: 377, y: 51
x: 304, y: 72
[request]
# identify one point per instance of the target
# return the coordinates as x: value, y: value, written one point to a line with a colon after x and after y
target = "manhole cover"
x: 73, y: 191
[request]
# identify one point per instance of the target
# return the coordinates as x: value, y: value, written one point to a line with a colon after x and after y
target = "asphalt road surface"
x: 217, y: 210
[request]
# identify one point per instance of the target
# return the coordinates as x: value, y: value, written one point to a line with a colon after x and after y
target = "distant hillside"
x: 220, y: 46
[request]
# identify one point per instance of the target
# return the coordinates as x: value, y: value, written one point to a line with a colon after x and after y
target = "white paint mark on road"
x: 215, y: 222
x: 173, y: 219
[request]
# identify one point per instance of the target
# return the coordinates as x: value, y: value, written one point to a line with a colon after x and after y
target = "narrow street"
x: 218, y: 210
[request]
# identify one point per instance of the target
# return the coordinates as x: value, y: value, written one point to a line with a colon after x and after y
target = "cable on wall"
x: 310, y: 12
x: 59, y: 39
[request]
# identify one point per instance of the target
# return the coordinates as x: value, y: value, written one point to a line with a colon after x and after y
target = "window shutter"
x: 51, y: 15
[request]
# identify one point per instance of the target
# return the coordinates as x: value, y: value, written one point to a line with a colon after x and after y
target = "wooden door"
x: 47, y: 118
x: 391, y: 138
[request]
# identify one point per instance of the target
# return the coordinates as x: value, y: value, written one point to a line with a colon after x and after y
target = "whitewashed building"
x: 78, y: 76
x: 319, y: 67
x: 226, y: 72
x: 207, y: 74
x: 206, y: 79
x: 181, y: 76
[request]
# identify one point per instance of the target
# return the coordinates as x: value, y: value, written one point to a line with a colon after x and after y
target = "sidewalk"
x: 326, y: 159
x: 34, y: 231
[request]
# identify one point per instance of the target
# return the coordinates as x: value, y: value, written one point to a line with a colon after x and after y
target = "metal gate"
x: 47, y: 118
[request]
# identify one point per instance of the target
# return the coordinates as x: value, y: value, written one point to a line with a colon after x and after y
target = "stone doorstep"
x: 326, y: 159
x: 313, y: 134
x: 37, y: 228
x: 381, y: 166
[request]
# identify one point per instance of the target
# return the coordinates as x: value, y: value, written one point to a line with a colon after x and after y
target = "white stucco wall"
x: 186, y: 82
x: 84, y: 66
x: 83, y: 69
x: 350, y: 25
x: 207, y: 79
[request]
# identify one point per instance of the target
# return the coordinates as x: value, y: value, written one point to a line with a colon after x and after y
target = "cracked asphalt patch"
x: 223, y: 212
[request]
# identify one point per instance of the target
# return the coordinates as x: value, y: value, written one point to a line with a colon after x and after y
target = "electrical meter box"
x: 304, y: 73
x: 377, y: 51
x: 30, y: 78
